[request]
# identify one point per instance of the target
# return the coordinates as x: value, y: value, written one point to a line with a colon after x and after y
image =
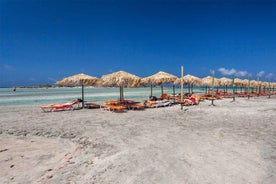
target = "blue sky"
x: 42, y: 41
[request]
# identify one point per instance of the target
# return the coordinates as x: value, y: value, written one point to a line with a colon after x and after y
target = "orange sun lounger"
x: 113, y: 108
x: 136, y: 106
x: 60, y: 107
x: 92, y: 105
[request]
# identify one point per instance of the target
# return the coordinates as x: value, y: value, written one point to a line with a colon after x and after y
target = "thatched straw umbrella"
x: 238, y: 82
x: 208, y: 81
x: 225, y: 82
x: 196, y: 81
x: 273, y: 86
x: 159, y: 79
x: 254, y: 84
x: 120, y: 79
x: 245, y: 82
x: 268, y: 88
x: 190, y: 80
x: 265, y: 86
x: 79, y: 79
x: 246, y: 86
x: 211, y: 81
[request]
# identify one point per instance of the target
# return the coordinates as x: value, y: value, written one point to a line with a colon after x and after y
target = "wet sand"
x: 232, y: 142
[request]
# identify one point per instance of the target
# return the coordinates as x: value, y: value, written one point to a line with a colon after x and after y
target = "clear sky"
x: 42, y: 41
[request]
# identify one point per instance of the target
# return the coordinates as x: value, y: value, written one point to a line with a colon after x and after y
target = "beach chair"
x: 136, y: 106
x: 193, y: 100
x: 113, y: 108
x: 132, y: 105
x: 61, y: 107
x: 156, y: 104
x: 90, y: 105
x: 163, y: 104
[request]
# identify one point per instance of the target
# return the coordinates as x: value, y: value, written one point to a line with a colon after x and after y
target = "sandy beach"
x: 232, y: 142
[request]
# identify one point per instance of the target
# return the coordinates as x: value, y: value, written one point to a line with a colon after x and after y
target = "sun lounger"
x: 61, y: 107
x: 155, y: 104
x: 136, y: 106
x: 163, y: 104
x: 113, y: 108
x: 92, y: 105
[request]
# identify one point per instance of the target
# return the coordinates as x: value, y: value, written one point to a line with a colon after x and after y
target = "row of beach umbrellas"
x: 122, y: 78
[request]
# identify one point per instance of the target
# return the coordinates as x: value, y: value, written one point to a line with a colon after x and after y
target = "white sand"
x: 229, y: 143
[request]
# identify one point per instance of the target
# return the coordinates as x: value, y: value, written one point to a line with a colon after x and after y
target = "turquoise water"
x: 41, y: 96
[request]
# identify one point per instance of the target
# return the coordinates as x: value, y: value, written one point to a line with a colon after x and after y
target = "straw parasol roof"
x: 238, y: 82
x: 225, y: 81
x: 254, y: 83
x: 265, y: 84
x: 121, y: 78
x: 78, y: 79
x: 159, y: 78
x: 197, y: 81
x: 189, y: 79
x: 245, y: 82
x: 208, y: 81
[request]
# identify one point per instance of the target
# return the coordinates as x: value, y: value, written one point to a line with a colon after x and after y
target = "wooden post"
x: 258, y: 87
x: 269, y: 90
x: 233, y: 86
x: 213, y: 76
x: 150, y: 89
x: 121, y: 92
x: 82, y: 94
x: 248, y: 89
x: 173, y: 89
x: 181, y: 97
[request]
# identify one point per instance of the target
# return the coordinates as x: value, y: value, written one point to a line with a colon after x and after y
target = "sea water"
x: 41, y: 96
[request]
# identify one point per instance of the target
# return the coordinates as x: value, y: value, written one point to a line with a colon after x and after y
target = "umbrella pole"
x: 248, y: 89
x: 82, y: 94
x: 233, y: 88
x: 162, y: 91
x: 258, y: 87
x: 269, y: 89
x: 120, y: 98
x: 173, y: 89
x: 150, y: 89
x: 213, y: 73
x: 122, y: 92
x: 181, y: 97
